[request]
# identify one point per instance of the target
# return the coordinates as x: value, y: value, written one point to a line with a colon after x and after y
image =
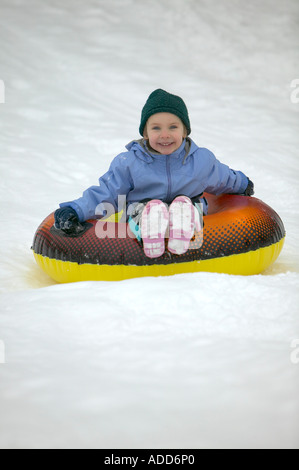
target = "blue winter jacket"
x: 139, y: 174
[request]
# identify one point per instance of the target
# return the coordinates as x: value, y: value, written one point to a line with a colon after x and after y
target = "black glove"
x: 249, y: 191
x: 66, y: 219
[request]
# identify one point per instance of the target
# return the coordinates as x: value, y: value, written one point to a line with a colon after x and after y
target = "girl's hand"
x: 66, y: 219
x: 249, y: 191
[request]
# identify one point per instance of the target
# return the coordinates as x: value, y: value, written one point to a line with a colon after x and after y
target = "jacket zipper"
x: 168, y: 178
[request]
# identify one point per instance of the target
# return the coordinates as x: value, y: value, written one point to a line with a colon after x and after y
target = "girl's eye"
x: 156, y: 128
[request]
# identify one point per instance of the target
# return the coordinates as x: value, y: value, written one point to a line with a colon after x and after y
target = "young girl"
x: 162, y: 178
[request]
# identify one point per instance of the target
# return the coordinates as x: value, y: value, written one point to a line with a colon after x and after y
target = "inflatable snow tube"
x: 242, y: 235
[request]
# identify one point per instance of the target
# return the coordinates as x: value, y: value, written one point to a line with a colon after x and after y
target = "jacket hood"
x: 142, y: 151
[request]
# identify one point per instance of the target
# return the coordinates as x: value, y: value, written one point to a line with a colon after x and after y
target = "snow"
x: 190, y: 361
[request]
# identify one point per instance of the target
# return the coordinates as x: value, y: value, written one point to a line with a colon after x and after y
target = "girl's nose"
x: 164, y: 133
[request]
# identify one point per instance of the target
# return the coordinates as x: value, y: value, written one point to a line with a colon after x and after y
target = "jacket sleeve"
x: 116, y: 182
x: 219, y: 178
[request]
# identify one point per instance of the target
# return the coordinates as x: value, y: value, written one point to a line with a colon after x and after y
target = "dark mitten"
x: 66, y: 219
x: 249, y: 191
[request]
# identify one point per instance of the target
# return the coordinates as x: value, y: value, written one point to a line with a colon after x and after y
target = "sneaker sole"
x: 182, y: 222
x: 154, y: 224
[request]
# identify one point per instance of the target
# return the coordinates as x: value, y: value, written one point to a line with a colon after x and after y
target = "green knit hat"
x: 159, y: 101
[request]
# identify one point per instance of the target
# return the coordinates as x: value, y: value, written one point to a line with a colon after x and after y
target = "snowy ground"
x: 191, y: 361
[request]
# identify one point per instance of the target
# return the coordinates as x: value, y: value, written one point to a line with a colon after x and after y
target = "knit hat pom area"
x: 160, y: 101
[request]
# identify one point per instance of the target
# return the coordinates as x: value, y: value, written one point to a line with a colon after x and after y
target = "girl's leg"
x: 151, y: 226
x: 135, y: 213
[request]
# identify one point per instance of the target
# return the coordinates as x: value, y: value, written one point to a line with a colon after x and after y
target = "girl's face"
x: 165, y: 132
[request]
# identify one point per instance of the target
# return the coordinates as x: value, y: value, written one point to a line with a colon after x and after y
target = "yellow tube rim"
x: 250, y: 263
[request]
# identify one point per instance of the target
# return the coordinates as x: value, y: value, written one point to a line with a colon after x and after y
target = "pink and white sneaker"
x: 154, y: 224
x: 183, y: 220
